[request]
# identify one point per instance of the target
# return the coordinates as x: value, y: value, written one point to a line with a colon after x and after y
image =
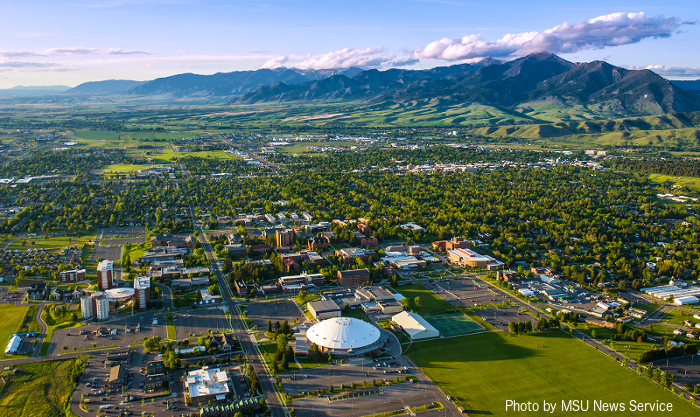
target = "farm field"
x: 690, y: 182
x: 483, y: 371
x: 431, y: 303
x: 11, y: 318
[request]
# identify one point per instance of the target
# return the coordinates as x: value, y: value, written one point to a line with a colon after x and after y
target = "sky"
x: 68, y: 42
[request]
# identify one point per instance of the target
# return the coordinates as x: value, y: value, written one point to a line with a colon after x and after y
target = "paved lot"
x: 11, y: 297
x: 110, y: 252
x: 278, y: 310
x: 200, y: 321
x: 501, y: 316
x: 686, y: 368
x: 393, y: 397
x: 123, y: 232
x: 73, y: 338
x: 466, y: 292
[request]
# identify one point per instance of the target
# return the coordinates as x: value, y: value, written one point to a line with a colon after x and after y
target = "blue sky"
x: 72, y: 41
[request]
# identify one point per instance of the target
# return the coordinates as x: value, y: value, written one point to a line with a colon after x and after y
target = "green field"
x: 431, y: 303
x: 678, y: 316
x: 172, y: 335
x: 451, y: 324
x: 11, y: 318
x: 41, y: 389
x: 483, y: 371
x: 691, y: 183
x: 52, y: 242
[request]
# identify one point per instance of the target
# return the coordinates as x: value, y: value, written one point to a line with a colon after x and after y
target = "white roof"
x: 13, y: 345
x: 119, y: 293
x: 205, y: 382
x: 343, y: 333
x: 691, y: 299
x: 415, y: 325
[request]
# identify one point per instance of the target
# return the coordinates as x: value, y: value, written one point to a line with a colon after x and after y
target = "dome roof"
x: 119, y: 293
x: 343, y: 333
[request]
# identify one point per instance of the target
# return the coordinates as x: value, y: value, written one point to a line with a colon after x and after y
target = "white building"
x: 415, y: 325
x: 87, y: 307
x: 102, y: 307
x: 13, y: 345
x: 207, y: 384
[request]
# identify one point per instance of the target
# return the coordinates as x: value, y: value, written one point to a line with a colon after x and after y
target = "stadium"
x: 346, y: 336
x: 119, y: 294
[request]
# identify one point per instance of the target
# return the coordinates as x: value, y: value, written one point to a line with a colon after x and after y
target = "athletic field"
x: 451, y: 324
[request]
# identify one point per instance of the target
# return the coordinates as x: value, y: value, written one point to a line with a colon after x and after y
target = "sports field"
x: 452, y: 324
x: 483, y: 371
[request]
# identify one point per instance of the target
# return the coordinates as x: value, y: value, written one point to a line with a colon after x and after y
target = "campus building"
x: 353, y: 277
x: 87, y: 307
x: 73, y: 275
x: 207, y: 384
x: 101, y: 306
x: 105, y: 275
x: 284, y: 237
x: 323, y: 309
x: 346, y: 336
x: 142, y: 291
x: 415, y: 326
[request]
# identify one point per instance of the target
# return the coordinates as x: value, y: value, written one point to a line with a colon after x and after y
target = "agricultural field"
x: 483, y: 371
x: 430, y: 303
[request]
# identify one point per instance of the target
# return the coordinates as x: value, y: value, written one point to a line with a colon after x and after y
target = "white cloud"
x: 600, y: 32
x: 22, y: 66
x: 91, y: 51
x: 347, y: 57
x: 275, y: 62
x: 669, y: 71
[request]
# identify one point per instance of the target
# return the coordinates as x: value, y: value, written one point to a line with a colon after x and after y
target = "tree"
x: 152, y: 344
x: 269, y: 326
x: 418, y: 302
x: 171, y: 360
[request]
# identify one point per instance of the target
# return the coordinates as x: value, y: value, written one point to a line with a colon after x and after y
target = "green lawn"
x: 172, y: 335
x: 649, y: 308
x: 483, y: 371
x: 431, y: 303
x: 29, y: 324
x: 41, y: 389
x: 11, y: 318
x: 357, y: 313
x: 677, y: 317
x: 53, y: 242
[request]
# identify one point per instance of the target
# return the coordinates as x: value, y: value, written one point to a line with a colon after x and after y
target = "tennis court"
x: 451, y: 324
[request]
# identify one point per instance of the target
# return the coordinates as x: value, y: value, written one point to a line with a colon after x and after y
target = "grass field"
x: 451, y: 324
x: 483, y: 371
x: 40, y: 389
x: 53, y: 242
x: 357, y: 313
x: 11, y: 318
x: 690, y: 182
x: 431, y: 303
x: 172, y: 335
x: 678, y: 316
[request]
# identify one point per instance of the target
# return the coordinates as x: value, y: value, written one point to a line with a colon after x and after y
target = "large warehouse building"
x: 416, y: 326
x: 346, y: 336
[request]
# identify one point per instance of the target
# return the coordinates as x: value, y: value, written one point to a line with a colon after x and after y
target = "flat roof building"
x: 415, y: 325
x: 353, y: 277
x: 323, y: 309
x: 142, y: 290
x: 105, y: 275
x: 207, y: 384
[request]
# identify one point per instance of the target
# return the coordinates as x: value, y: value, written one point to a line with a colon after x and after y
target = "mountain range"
x: 536, y: 78
x: 539, y: 77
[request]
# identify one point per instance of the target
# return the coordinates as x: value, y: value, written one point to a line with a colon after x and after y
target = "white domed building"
x: 346, y: 336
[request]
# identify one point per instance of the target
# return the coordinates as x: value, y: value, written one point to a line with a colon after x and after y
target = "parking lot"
x: 74, y: 338
x: 199, y: 321
x: 465, y: 292
x: 277, y: 310
x: 393, y: 397
x: 11, y: 297
x: 123, y: 232
x: 686, y: 369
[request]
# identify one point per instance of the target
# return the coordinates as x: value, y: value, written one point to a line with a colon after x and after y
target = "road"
x: 268, y: 388
x: 167, y: 296
x: 44, y: 329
